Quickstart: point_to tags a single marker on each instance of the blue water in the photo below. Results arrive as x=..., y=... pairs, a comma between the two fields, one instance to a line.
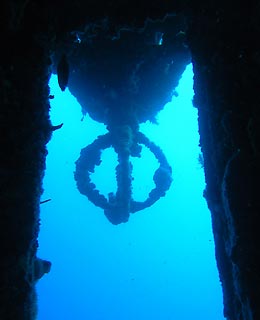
x=160, y=265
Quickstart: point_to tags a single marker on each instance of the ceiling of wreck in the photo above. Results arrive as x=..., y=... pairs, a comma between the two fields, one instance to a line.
x=119, y=51
x=130, y=70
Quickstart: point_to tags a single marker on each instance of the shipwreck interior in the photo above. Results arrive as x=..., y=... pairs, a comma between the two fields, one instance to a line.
x=121, y=59
x=170, y=243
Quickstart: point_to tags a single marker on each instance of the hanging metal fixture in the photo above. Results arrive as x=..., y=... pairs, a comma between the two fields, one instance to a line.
x=126, y=142
x=123, y=81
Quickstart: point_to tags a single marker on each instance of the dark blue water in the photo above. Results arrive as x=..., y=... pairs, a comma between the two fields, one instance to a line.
x=158, y=266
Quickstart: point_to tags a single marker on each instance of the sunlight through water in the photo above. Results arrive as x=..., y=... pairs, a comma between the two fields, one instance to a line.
x=160, y=265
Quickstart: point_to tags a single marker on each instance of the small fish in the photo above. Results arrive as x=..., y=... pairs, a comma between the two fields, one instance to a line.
x=63, y=72
x=51, y=96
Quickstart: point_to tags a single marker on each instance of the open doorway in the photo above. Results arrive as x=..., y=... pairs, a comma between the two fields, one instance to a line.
x=161, y=263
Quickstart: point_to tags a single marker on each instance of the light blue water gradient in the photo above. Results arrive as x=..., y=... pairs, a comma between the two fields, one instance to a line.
x=158, y=266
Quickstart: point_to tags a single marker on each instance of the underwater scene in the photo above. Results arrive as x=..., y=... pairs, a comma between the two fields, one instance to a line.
x=160, y=264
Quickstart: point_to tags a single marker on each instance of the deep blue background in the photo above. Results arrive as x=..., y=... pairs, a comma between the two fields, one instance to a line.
x=158, y=266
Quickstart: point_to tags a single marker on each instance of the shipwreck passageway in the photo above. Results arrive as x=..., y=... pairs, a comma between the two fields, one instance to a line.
x=144, y=250
x=158, y=265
